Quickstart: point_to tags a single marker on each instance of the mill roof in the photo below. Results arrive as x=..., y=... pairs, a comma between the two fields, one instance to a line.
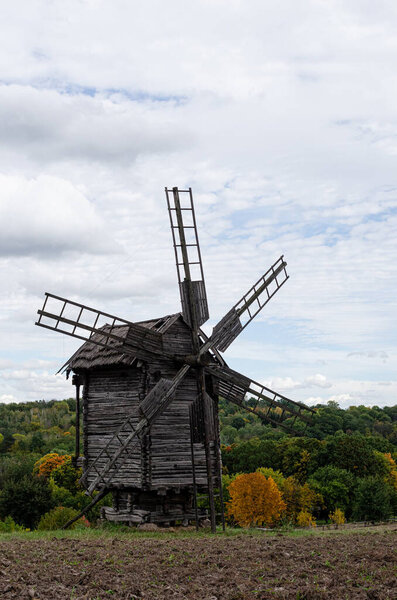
x=91, y=355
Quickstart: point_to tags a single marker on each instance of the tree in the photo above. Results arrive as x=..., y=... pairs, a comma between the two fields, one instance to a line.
x=66, y=475
x=337, y=517
x=229, y=434
x=353, y=453
x=238, y=422
x=299, y=498
x=21, y=443
x=25, y=500
x=37, y=442
x=299, y=456
x=373, y=500
x=335, y=485
x=48, y=463
x=305, y=519
x=277, y=476
x=254, y=500
x=327, y=421
x=248, y=456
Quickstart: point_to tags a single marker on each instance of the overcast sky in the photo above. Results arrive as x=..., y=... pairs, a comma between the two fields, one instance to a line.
x=280, y=114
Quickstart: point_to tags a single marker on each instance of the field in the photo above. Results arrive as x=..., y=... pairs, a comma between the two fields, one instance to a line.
x=231, y=566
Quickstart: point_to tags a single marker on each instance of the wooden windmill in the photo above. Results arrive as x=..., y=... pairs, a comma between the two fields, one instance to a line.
x=151, y=389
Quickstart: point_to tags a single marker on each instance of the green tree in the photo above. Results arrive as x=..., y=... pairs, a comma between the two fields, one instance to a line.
x=373, y=500
x=229, y=435
x=336, y=486
x=353, y=453
x=248, y=456
x=25, y=500
x=299, y=456
x=37, y=442
x=67, y=476
x=238, y=422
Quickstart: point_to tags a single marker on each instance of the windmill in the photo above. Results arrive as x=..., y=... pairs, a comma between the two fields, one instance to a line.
x=151, y=389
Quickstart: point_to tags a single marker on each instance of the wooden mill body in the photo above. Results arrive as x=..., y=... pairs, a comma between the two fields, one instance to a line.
x=156, y=482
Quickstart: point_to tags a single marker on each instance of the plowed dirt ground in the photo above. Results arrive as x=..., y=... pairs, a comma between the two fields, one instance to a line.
x=338, y=566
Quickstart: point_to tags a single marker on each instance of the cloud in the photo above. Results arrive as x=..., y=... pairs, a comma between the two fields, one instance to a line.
x=7, y=398
x=283, y=384
x=48, y=125
x=24, y=385
x=370, y=354
x=48, y=216
x=343, y=399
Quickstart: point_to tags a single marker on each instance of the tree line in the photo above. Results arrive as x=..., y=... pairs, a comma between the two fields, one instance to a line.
x=345, y=461
x=343, y=465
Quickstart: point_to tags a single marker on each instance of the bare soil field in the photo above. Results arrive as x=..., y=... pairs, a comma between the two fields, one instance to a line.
x=220, y=567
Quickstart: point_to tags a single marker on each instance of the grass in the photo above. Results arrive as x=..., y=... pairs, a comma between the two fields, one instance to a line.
x=111, y=531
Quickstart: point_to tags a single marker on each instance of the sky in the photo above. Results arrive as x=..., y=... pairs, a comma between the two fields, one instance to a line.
x=281, y=116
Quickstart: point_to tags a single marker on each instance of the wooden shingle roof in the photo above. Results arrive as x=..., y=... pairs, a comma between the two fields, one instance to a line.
x=91, y=355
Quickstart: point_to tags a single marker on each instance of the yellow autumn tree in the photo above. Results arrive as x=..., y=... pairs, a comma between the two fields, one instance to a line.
x=299, y=498
x=305, y=519
x=337, y=517
x=254, y=500
x=392, y=467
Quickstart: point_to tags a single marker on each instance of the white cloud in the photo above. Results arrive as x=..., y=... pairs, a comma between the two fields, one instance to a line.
x=7, y=399
x=48, y=216
x=380, y=354
x=48, y=126
x=283, y=384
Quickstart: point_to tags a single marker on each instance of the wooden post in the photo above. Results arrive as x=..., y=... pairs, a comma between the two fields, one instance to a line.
x=193, y=467
x=219, y=465
x=207, y=431
x=76, y=381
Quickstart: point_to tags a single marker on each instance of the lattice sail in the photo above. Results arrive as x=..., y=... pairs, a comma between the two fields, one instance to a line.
x=242, y=313
x=269, y=406
x=103, y=329
x=187, y=256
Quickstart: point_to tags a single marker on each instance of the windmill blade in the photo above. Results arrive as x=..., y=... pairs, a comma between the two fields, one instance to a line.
x=103, y=329
x=112, y=457
x=242, y=313
x=187, y=256
x=234, y=387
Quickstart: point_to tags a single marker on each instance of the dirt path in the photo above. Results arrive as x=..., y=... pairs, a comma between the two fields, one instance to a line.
x=344, y=566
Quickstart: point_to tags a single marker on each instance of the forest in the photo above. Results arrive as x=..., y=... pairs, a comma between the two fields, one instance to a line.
x=341, y=468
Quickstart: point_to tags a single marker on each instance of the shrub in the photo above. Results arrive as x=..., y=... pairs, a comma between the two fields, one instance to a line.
x=58, y=517
x=62, y=497
x=25, y=500
x=254, y=500
x=9, y=526
x=337, y=517
x=305, y=519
